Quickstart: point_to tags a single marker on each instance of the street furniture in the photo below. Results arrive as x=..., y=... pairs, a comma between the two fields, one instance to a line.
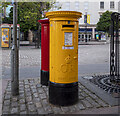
x=44, y=51
x=63, y=84
x=5, y=40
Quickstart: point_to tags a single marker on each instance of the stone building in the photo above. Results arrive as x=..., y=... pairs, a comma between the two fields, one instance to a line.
x=93, y=9
x=119, y=6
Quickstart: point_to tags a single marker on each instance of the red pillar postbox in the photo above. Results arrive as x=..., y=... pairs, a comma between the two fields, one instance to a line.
x=44, y=51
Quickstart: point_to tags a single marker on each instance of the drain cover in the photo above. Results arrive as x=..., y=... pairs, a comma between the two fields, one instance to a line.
x=103, y=81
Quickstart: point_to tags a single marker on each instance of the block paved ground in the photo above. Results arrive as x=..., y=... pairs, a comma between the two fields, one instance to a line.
x=33, y=99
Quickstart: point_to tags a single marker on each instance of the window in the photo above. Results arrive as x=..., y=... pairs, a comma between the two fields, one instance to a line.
x=101, y=5
x=90, y=36
x=100, y=16
x=112, y=4
x=82, y=36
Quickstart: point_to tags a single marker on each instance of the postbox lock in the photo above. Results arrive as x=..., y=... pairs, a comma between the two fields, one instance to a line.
x=75, y=57
x=68, y=22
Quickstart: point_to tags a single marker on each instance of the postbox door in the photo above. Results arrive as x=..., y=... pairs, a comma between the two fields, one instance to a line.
x=64, y=65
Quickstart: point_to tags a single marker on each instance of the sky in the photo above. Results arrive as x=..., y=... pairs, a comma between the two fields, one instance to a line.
x=8, y=10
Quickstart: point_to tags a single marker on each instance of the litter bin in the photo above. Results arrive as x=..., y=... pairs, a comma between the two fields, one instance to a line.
x=44, y=51
x=63, y=84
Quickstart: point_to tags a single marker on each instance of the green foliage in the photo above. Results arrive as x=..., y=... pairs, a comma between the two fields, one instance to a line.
x=6, y=20
x=104, y=22
x=5, y=4
x=0, y=7
x=28, y=14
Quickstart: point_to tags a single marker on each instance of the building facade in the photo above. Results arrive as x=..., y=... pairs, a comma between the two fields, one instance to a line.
x=119, y=6
x=93, y=9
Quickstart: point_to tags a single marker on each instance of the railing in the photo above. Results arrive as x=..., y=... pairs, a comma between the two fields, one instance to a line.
x=115, y=48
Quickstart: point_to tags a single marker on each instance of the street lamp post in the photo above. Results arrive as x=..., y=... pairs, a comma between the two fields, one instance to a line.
x=86, y=27
x=14, y=56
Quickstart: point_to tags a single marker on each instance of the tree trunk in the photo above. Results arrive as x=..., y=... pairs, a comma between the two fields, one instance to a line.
x=38, y=34
x=30, y=36
x=4, y=12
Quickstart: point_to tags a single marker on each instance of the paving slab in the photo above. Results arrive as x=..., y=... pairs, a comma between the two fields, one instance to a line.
x=109, y=111
x=96, y=91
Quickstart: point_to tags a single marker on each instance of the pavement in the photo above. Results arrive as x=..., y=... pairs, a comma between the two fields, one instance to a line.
x=100, y=42
x=93, y=59
x=33, y=99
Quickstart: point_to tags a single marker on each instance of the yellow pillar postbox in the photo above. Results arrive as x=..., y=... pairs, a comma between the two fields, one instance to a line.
x=5, y=40
x=63, y=83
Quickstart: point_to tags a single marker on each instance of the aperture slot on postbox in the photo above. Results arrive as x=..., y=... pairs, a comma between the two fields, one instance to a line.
x=68, y=33
x=67, y=26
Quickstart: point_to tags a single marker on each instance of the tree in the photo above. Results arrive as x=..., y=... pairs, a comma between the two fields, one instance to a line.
x=28, y=15
x=104, y=22
x=4, y=5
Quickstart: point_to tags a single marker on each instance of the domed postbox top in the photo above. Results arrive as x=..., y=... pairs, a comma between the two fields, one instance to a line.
x=45, y=20
x=64, y=15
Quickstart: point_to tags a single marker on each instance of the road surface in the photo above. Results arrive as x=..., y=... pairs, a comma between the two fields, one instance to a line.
x=92, y=59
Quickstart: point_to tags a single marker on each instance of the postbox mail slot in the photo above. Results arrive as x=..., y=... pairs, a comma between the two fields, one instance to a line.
x=67, y=26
